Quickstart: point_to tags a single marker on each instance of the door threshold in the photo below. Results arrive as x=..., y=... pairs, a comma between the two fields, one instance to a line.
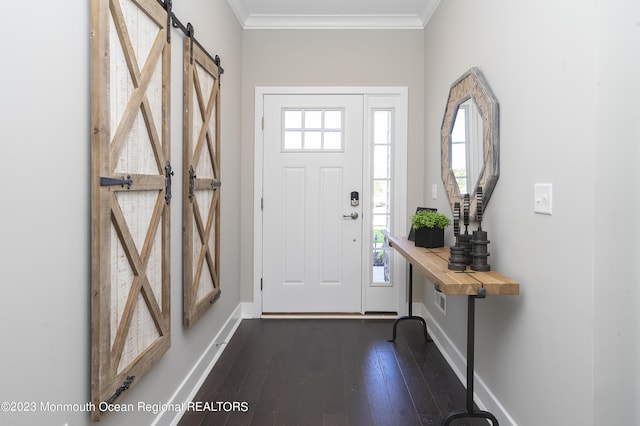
x=329, y=315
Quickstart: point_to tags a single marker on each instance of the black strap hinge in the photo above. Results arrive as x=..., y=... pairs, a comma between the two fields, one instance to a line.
x=109, y=181
x=192, y=183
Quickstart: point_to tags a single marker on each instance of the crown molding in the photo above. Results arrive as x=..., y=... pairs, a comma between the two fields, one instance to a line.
x=255, y=21
x=317, y=22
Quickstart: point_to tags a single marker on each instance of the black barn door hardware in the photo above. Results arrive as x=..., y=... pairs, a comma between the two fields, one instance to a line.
x=192, y=183
x=215, y=297
x=168, y=172
x=109, y=181
x=118, y=392
x=168, y=6
x=188, y=30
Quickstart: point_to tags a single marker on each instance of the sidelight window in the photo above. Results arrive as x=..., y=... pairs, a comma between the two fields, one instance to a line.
x=381, y=185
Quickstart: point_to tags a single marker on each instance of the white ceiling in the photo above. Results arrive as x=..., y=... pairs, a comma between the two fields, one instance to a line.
x=333, y=14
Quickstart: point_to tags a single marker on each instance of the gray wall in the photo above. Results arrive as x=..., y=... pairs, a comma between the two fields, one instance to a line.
x=45, y=216
x=329, y=58
x=616, y=295
x=564, y=351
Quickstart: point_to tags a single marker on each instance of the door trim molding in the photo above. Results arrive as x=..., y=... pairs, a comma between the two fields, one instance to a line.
x=400, y=178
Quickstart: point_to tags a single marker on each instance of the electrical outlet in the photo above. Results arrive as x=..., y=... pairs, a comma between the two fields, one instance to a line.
x=542, y=198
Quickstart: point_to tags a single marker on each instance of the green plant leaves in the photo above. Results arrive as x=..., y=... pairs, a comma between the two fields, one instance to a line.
x=429, y=219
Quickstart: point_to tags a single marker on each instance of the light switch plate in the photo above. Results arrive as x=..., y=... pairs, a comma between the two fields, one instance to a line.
x=434, y=191
x=542, y=198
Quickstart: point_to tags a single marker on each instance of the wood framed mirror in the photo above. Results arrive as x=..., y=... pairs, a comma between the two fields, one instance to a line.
x=470, y=150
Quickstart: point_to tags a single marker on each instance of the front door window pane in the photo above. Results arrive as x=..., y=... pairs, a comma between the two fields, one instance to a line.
x=333, y=120
x=293, y=119
x=312, y=140
x=292, y=140
x=332, y=140
x=313, y=119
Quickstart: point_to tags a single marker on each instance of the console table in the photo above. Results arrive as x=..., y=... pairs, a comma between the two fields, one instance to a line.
x=433, y=264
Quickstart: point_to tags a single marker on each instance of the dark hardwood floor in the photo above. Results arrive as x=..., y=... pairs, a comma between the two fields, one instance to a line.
x=328, y=372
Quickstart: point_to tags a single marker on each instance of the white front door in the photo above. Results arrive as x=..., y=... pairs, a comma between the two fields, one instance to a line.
x=312, y=230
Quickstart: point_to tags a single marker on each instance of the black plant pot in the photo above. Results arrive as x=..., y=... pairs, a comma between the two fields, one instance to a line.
x=429, y=237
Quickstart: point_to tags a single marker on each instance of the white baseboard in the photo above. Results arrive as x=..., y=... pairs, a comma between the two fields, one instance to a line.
x=332, y=316
x=201, y=369
x=483, y=397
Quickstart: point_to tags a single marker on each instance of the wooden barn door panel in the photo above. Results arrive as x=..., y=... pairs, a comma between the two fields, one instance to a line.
x=130, y=214
x=201, y=205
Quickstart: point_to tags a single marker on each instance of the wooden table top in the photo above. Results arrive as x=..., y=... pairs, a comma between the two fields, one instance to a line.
x=433, y=264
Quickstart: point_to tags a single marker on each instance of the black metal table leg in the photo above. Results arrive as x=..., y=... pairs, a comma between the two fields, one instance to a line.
x=470, y=412
x=410, y=316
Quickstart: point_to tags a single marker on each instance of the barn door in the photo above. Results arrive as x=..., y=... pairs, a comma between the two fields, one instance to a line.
x=201, y=201
x=131, y=177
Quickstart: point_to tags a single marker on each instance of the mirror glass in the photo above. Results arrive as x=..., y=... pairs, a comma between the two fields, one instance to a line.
x=469, y=140
x=466, y=146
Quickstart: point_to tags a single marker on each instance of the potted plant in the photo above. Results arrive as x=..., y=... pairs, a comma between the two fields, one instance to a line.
x=429, y=228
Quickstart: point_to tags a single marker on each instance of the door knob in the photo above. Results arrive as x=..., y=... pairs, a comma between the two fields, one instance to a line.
x=353, y=215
